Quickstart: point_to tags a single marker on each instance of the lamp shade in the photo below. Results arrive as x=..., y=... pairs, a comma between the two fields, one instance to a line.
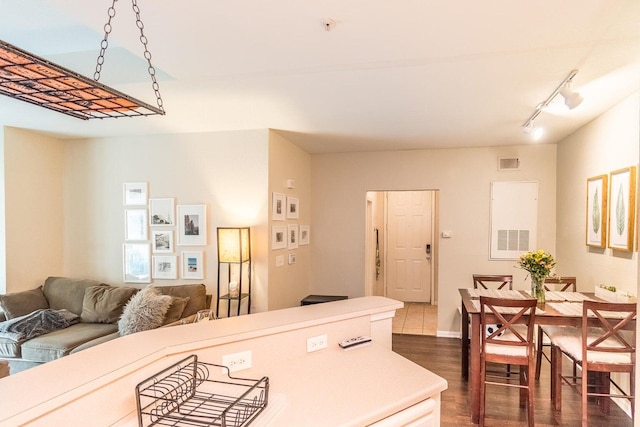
x=234, y=244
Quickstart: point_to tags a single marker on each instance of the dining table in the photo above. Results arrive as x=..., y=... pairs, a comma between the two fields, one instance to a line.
x=560, y=308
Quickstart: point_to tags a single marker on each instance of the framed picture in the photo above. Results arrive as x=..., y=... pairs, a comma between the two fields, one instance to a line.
x=597, y=188
x=161, y=212
x=278, y=207
x=165, y=267
x=292, y=207
x=278, y=237
x=135, y=224
x=192, y=225
x=136, y=262
x=292, y=236
x=192, y=265
x=135, y=193
x=162, y=241
x=304, y=235
x=622, y=202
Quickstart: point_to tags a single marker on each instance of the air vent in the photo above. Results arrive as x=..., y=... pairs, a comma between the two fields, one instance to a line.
x=508, y=163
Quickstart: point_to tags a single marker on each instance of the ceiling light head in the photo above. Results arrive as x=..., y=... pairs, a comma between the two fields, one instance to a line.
x=537, y=133
x=527, y=127
x=571, y=99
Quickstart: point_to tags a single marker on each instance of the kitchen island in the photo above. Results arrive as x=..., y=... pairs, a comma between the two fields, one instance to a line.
x=363, y=385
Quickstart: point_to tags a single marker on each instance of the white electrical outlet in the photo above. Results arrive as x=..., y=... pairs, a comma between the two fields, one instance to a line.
x=237, y=361
x=316, y=343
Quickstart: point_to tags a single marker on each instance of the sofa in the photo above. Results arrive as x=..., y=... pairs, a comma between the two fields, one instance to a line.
x=91, y=313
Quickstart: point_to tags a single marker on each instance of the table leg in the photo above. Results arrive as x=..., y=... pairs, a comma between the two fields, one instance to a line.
x=464, y=326
x=474, y=356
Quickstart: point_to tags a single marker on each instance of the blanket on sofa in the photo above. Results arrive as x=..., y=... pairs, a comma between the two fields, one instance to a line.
x=37, y=323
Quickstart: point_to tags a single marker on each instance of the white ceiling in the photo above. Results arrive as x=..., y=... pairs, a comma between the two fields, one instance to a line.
x=402, y=74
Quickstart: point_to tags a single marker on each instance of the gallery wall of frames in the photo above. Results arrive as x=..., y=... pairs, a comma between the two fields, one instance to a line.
x=288, y=234
x=161, y=238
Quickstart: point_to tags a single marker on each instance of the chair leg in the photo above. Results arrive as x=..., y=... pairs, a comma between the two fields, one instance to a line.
x=539, y=353
x=530, y=398
x=556, y=380
x=523, y=379
x=483, y=390
x=585, y=385
x=604, y=381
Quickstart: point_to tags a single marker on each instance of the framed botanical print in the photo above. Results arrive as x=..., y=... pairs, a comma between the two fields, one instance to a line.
x=597, y=191
x=192, y=225
x=622, y=203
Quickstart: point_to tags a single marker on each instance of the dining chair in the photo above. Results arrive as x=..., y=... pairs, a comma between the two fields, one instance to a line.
x=512, y=344
x=564, y=284
x=607, y=347
x=492, y=281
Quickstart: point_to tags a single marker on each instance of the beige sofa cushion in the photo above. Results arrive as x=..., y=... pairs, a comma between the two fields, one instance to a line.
x=20, y=303
x=104, y=304
x=63, y=292
x=55, y=345
x=197, y=296
x=10, y=348
x=176, y=309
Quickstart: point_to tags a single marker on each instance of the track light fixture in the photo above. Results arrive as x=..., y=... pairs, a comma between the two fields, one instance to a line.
x=571, y=99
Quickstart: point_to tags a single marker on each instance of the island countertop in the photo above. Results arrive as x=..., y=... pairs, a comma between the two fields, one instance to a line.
x=332, y=386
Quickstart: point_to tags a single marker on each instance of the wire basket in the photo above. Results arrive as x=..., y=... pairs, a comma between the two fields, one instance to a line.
x=192, y=393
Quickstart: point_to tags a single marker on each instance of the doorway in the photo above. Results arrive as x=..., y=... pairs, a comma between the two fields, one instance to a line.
x=401, y=252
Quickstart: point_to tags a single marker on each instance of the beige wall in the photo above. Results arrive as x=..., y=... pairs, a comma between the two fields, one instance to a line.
x=226, y=171
x=608, y=143
x=288, y=284
x=33, y=176
x=463, y=176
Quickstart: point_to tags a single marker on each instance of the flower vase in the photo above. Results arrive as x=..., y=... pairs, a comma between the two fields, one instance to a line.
x=537, y=289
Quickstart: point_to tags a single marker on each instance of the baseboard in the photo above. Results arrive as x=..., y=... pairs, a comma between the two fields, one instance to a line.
x=448, y=334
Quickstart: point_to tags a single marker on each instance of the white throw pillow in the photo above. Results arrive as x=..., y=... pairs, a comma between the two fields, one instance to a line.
x=144, y=311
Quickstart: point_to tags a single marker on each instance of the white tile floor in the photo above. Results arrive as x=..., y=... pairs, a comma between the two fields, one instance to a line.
x=416, y=319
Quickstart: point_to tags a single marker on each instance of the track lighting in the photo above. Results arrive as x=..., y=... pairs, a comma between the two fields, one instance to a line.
x=571, y=99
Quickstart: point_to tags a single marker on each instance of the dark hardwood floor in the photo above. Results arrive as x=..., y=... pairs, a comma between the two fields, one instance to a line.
x=442, y=356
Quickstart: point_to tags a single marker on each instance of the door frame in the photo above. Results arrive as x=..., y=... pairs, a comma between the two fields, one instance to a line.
x=369, y=285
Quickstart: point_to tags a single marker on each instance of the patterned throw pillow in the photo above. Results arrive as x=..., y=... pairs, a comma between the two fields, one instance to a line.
x=145, y=310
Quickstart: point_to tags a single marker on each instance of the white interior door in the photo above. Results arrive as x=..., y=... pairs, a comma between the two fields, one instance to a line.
x=409, y=232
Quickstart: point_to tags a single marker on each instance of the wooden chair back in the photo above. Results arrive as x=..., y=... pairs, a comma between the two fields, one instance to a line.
x=567, y=284
x=509, y=314
x=609, y=329
x=481, y=281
